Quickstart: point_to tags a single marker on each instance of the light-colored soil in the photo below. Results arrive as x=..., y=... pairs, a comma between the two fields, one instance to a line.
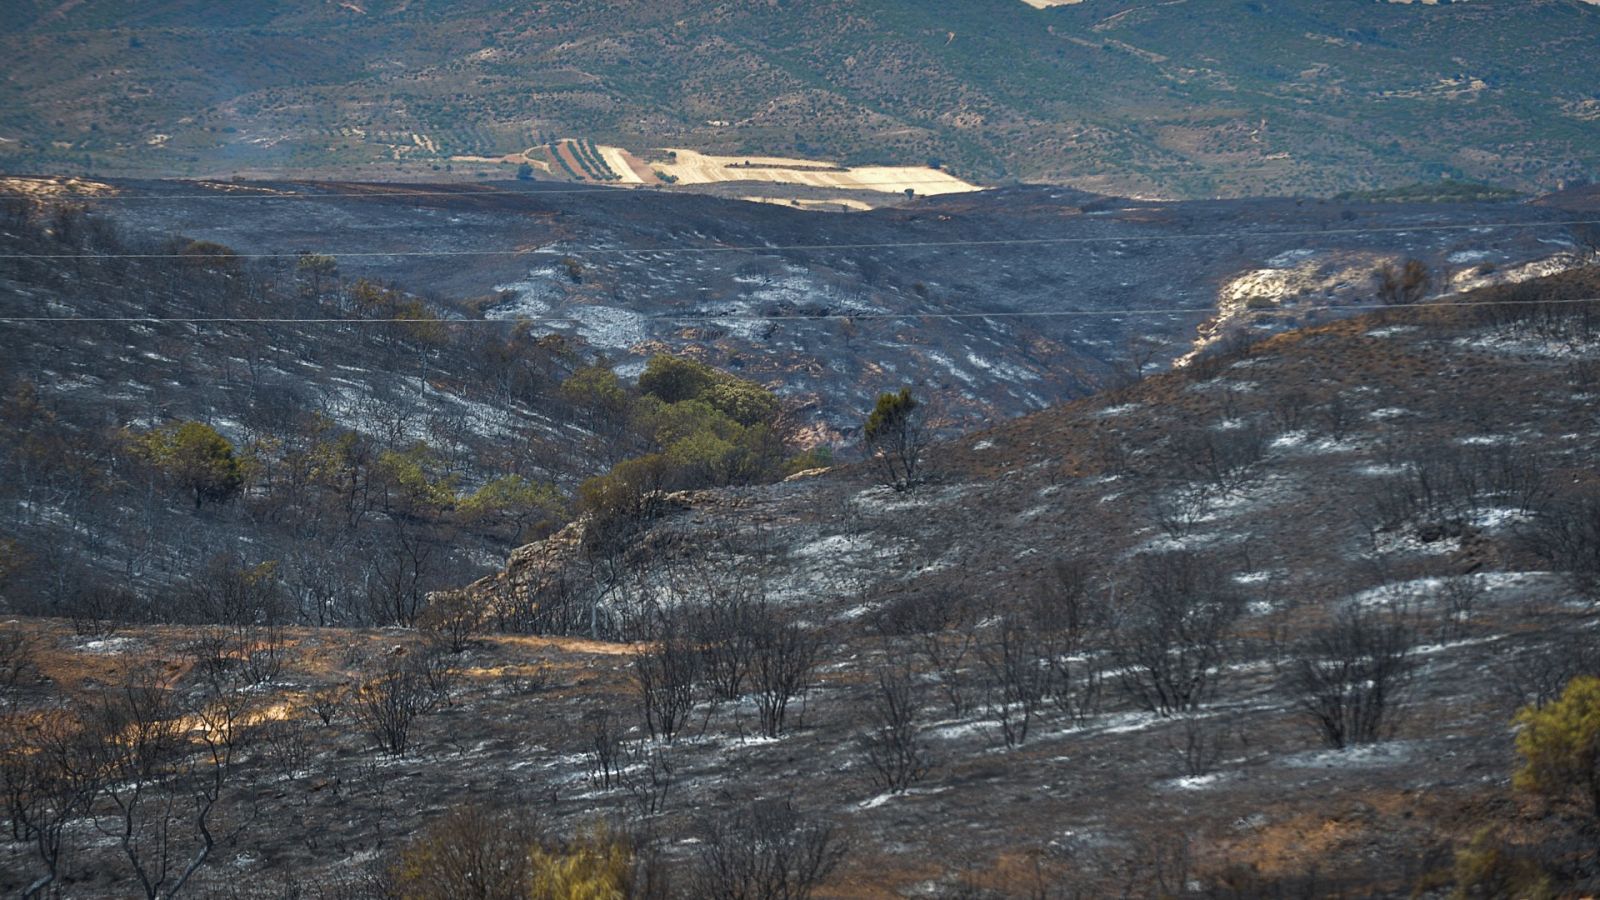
x=617, y=159
x=501, y=160
x=691, y=167
x=55, y=187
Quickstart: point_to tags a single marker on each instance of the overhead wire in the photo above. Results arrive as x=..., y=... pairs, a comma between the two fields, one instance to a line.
x=469, y=190
x=786, y=248
x=796, y=318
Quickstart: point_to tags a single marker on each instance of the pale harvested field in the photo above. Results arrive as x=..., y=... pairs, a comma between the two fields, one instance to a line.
x=698, y=168
x=617, y=159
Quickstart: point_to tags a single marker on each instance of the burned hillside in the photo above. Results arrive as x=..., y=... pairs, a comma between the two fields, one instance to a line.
x=1254, y=627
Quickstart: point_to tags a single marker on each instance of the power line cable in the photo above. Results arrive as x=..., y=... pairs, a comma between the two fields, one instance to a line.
x=785, y=248
x=702, y=317
x=467, y=191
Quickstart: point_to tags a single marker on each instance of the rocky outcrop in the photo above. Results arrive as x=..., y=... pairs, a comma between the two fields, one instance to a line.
x=553, y=567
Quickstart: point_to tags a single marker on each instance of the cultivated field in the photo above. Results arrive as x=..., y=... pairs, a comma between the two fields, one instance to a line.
x=691, y=167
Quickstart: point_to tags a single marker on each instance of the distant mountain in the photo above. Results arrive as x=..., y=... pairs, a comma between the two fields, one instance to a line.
x=1222, y=98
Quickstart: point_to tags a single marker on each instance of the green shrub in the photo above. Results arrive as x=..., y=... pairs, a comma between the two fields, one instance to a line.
x=413, y=480
x=514, y=501
x=469, y=853
x=625, y=498
x=1488, y=867
x=596, y=866
x=1559, y=745
x=674, y=378
x=195, y=457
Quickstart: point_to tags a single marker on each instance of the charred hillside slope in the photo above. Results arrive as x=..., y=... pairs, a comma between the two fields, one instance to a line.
x=999, y=303
x=1252, y=628
x=1424, y=470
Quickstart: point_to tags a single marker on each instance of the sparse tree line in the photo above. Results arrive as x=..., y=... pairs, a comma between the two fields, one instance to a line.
x=148, y=765
x=146, y=781
x=761, y=850
x=1159, y=637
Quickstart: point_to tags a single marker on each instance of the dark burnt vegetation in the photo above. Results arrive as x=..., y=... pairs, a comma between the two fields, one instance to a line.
x=1024, y=675
x=379, y=447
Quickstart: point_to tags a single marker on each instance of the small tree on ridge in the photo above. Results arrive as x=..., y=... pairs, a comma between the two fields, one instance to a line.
x=895, y=437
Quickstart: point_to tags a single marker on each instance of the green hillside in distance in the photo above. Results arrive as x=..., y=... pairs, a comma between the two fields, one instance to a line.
x=1187, y=99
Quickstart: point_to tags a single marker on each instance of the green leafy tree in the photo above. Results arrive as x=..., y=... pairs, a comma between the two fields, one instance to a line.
x=1559, y=745
x=743, y=401
x=674, y=378
x=414, y=481
x=601, y=405
x=514, y=501
x=621, y=500
x=895, y=437
x=195, y=457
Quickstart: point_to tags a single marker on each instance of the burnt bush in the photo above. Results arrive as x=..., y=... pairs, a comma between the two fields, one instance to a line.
x=1566, y=533
x=893, y=740
x=1349, y=678
x=1171, y=636
x=1440, y=488
x=766, y=851
x=666, y=674
x=782, y=670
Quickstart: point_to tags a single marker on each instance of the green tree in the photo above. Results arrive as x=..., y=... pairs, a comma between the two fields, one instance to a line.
x=895, y=438
x=525, y=172
x=621, y=500
x=600, y=403
x=1559, y=745
x=743, y=401
x=195, y=457
x=515, y=501
x=674, y=378
x=414, y=481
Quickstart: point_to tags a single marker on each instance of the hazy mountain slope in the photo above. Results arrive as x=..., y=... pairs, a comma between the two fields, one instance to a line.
x=1175, y=99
